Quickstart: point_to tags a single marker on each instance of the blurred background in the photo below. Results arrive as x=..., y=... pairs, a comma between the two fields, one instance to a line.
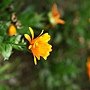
x=65, y=68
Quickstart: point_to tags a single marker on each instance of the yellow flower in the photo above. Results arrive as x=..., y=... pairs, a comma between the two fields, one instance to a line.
x=12, y=30
x=39, y=46
x=88, y=67
x=54, y=16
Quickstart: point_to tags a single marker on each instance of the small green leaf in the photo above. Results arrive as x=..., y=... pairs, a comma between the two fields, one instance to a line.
x=6, y=50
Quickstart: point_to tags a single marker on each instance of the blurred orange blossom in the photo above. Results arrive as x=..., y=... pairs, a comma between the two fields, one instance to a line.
x=54, y=16
x=88, y=67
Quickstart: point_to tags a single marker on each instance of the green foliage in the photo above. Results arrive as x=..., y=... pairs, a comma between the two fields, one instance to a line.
x=32, y=18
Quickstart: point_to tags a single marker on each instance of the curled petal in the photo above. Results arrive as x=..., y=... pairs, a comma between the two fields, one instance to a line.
x=59, y=21
x=35, y=61
x=41, y=33
x=32, y=32
x=27, y=37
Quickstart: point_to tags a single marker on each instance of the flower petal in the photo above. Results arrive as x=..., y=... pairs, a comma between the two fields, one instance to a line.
x=41, y=33
x=45, y=37
x=32, y=32
x=60, y=21
x=30, y=46
x=27, y=37
x=55, y=11
x=42, y=50
x=35, y=61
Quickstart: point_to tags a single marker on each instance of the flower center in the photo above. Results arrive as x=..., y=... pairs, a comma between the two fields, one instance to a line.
x=34, y=44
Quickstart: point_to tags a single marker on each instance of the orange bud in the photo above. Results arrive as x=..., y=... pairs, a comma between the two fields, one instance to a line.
x=12, y=30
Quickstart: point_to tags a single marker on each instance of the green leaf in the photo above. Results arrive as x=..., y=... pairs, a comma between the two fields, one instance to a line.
x=6, y=50
x=15, y=39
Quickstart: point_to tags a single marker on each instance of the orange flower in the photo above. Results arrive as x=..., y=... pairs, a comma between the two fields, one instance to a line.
x=39, y=46
x=12, y=30
x=88, y=67
x=54, y=16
